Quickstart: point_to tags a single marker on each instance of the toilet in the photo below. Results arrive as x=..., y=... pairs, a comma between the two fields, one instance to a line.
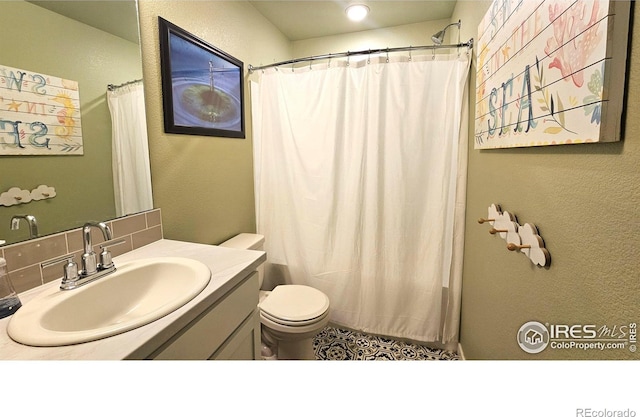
x=291, y=315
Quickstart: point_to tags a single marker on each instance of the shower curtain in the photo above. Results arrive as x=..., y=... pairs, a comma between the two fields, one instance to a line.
x=359, y=178
x=130, y=149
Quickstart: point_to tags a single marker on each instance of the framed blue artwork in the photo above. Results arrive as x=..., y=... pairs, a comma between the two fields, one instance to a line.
x=202, y=86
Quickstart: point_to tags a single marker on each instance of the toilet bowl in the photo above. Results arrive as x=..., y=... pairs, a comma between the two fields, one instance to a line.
x=290, y=315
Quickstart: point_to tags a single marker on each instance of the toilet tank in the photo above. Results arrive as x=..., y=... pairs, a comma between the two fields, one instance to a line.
x=250, y=241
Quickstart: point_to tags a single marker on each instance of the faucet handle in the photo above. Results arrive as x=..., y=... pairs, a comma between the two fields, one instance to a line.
x=70, y=269
x=105, y=255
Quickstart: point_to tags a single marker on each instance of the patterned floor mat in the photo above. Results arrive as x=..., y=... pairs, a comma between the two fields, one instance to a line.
x=336, y=344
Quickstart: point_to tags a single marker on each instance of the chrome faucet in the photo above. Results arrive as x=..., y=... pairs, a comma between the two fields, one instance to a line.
x=89, y=257
x=31, y=221
x=91, y=268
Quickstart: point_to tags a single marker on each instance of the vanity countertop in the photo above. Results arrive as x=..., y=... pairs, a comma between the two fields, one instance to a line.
x=228, y=267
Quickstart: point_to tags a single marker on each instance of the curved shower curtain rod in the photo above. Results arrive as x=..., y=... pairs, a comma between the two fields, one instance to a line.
x=112, y=87
x=468, y=44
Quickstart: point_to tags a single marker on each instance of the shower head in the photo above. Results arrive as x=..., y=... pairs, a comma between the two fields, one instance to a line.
x=439, y=37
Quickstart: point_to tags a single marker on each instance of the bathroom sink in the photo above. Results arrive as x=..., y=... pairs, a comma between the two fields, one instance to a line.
x=138, y=293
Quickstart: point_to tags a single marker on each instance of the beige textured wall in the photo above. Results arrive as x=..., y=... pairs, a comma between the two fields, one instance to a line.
x=393, y=37
x=584, y=199
x=204, y=185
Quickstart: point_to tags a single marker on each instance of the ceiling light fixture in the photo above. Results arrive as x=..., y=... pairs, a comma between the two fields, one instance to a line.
x=357, y=12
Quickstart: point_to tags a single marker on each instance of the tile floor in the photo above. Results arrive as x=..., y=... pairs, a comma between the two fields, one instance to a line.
x=334, y=343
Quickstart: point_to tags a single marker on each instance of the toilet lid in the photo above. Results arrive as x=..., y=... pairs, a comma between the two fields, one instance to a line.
x=295, y=303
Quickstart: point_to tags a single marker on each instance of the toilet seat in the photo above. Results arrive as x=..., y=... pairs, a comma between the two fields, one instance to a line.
x=295, y=305
x=271, y=320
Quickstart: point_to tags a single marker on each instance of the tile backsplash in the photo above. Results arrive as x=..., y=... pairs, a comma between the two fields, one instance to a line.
x=24, y=259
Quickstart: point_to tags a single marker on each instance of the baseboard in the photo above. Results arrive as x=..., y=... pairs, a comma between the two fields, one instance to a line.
x=460, y=352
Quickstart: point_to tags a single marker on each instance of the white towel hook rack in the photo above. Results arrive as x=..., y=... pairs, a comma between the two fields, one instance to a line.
x=520, y=238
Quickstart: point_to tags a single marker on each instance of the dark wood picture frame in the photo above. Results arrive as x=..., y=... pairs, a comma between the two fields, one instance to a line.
x=202, y=86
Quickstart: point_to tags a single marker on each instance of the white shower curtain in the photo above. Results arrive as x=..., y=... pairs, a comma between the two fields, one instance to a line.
x=357, y=183
x=130, y=149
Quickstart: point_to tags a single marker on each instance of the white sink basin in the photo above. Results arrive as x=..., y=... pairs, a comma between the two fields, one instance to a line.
x=136, y=294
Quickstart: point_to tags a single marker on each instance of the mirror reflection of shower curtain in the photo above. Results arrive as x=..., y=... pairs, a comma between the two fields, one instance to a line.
x=360, y=176
x=130, y=149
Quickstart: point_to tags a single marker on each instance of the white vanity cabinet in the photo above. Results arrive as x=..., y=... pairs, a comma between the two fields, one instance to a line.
x=229, y=329
x=221, y=322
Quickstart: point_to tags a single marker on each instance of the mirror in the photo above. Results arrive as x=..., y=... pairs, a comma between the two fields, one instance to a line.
x=72, y=40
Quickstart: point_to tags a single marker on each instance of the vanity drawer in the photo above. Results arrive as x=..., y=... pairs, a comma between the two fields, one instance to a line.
x=201, y=338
